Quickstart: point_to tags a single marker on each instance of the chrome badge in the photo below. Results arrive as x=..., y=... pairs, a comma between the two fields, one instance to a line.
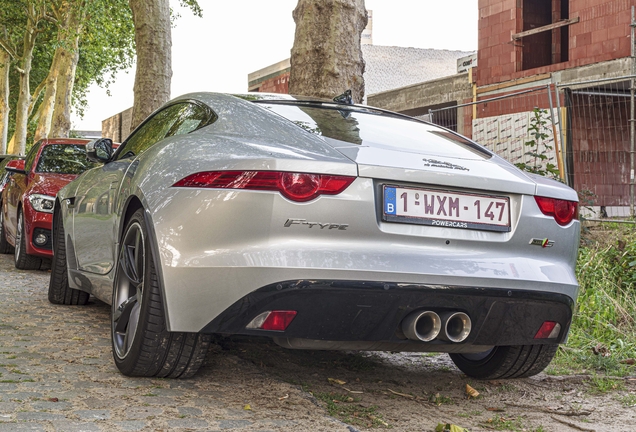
x=544, y=243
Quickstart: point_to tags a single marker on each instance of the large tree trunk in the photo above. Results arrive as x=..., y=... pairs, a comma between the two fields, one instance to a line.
x=5, y=64
x=326, y=58
x=45, y=110
x=153, y=42
x=61, y=120
x=18, y=146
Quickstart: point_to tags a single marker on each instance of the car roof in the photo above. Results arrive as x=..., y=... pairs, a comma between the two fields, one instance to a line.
x=65, y=141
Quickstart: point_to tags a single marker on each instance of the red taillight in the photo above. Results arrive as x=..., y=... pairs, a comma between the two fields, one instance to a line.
x=548, y=330
x=278, y=320
x=294, y=186
x=563, y=211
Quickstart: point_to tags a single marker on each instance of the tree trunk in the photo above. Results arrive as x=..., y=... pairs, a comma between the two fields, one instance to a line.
x=153, y=42
x=5, y=64
x=61, y=120
x=18, y=146
x=45, y=111
x=67, y=57
x=326, y=58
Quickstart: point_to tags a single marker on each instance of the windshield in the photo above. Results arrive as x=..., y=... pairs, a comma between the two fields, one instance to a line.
x=64, y=159
x=379, y=130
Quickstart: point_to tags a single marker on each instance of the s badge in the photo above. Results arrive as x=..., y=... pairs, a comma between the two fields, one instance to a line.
x=544, y=243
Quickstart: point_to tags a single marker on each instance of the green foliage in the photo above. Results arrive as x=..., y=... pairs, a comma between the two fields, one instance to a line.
x=537, y=148
x=603, y=332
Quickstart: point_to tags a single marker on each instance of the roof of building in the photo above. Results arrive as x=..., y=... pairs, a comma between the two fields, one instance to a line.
x=391, y=67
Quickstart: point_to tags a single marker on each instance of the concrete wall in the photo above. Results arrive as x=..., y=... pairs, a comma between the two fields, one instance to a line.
x=440, y=92
x=601, y=34
x=117, y=127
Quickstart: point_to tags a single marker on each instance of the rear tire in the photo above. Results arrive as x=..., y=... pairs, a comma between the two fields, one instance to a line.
x=142, y=346
x=59, y=291
x=5, y=247
x=520, y=361
x=22, y=260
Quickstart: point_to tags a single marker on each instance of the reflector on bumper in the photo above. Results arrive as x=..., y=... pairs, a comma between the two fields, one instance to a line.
x=272, y=320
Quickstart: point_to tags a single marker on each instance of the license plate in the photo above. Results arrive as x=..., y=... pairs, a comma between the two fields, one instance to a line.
x=446, y=209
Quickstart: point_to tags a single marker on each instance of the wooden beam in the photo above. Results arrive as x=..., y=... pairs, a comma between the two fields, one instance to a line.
x=548, y=27
x=513, y=83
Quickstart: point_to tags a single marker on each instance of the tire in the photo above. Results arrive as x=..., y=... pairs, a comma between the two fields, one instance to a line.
x=59, y=291
x=142, y=346
x=22, y=260
x=519, y=361
x=5, y=247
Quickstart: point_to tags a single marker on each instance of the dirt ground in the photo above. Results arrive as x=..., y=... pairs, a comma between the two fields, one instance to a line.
x=415, y=392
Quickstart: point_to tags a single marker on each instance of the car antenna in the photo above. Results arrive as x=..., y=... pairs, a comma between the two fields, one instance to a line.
x=344, y=98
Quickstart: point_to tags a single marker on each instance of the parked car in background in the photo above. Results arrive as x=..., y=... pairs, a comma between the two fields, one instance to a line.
x=321, y=225
x=27, y=200
x=4, y=180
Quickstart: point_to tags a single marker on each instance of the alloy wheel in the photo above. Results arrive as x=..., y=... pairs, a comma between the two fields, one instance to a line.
x=18, y=236
x=129, y=286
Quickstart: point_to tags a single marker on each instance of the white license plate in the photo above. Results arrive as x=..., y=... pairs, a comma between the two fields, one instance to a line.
x=446, y=209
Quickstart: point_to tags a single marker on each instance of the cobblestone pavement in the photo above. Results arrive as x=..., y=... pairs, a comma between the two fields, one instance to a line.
x=57, y=374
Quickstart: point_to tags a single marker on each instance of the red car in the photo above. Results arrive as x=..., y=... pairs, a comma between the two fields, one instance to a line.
x=27, y=200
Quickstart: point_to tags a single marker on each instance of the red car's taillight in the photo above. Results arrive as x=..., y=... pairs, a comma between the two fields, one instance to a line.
x=563, y=211
x=294, y=186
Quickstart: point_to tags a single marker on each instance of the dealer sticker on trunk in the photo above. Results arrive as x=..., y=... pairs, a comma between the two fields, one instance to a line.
x=446, y=209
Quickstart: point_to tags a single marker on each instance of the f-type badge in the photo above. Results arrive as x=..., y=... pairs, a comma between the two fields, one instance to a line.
x=544, y=243
x=303, y=222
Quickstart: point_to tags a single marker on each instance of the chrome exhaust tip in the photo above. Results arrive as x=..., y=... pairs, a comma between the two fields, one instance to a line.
x=456, y=327
x=422, y=326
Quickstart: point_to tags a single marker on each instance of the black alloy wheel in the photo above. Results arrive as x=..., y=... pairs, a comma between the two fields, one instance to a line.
x=142, y=345
x=59, y=290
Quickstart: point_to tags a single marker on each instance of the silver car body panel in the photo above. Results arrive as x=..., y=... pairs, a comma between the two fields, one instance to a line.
x=214, y=246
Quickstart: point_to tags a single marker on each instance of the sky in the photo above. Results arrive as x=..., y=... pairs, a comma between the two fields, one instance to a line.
x=237, y=37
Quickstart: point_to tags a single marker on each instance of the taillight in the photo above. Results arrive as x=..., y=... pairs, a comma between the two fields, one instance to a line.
x=294, y=186
x=563, y=211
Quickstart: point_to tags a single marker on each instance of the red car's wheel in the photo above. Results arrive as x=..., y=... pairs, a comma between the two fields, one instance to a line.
x=23, y=261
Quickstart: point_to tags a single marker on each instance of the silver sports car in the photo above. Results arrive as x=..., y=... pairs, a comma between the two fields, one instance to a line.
x=321, y=225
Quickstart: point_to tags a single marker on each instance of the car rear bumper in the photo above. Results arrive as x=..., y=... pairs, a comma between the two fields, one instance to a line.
x=368, y=315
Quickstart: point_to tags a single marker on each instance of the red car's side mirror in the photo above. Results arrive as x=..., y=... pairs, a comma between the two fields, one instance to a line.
x=16, y=166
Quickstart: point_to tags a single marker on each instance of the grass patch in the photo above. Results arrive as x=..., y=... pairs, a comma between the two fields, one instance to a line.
x=628, y=400
x=346, y=408
x=603, y=332
x=600, y=384
x=505, y=424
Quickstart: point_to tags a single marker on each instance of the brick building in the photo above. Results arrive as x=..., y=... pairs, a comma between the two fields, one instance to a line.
x=569, y=58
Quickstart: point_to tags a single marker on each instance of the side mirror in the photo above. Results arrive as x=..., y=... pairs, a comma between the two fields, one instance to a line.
x=99, y=150
x=16, y=166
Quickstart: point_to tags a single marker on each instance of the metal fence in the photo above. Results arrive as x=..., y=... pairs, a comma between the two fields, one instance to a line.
x=585, y=132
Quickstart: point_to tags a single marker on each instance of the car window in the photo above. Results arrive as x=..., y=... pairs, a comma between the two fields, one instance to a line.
x=30, y=157
x=191, y=118
x=177, y=119
x=64, y=159
x=379, y=130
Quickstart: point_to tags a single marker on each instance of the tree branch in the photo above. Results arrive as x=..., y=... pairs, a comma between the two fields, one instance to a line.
x=5, y=44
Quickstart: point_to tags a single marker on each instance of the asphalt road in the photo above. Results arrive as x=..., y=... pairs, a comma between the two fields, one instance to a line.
x=57, y=374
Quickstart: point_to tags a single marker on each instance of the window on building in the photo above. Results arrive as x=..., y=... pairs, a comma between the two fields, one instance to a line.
x=546, y=21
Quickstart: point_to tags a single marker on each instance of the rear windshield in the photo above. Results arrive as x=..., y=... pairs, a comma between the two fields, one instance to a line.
x=64, y=159
x=379, y=130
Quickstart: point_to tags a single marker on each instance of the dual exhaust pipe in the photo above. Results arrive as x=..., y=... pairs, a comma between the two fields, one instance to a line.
x=426, y=326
